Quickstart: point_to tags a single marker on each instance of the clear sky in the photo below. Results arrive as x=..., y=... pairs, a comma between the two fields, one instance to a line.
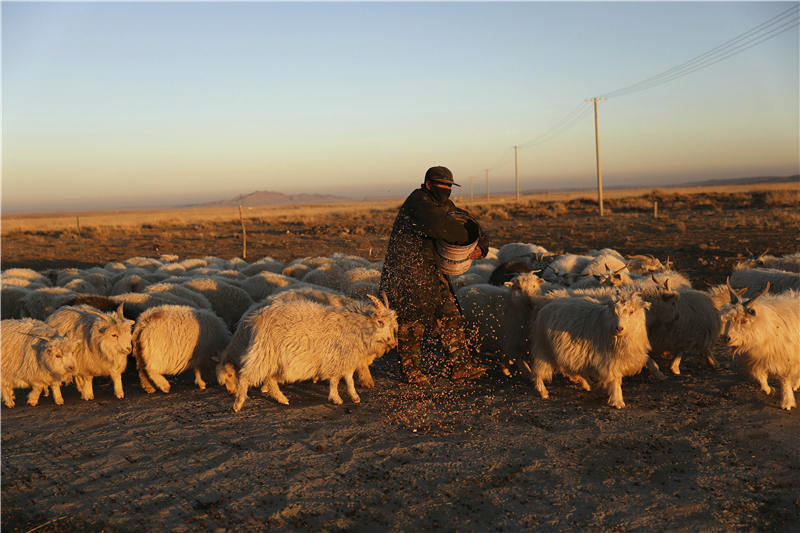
x=124, y=104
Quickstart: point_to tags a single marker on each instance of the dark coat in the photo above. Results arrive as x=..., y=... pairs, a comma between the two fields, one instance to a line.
x=410, y=276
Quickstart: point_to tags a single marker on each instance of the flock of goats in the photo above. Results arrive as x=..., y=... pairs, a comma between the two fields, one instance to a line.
x=595, y=318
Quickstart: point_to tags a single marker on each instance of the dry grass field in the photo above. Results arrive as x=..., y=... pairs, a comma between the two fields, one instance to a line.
x=702, y=451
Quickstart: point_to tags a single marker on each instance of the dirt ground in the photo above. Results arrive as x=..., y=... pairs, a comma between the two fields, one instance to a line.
x=703, y=451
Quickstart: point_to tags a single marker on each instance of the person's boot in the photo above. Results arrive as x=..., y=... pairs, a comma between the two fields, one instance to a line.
x=464, y=367
x=409, y=367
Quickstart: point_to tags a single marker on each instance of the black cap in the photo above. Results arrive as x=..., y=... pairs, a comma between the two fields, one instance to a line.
x=440, y=175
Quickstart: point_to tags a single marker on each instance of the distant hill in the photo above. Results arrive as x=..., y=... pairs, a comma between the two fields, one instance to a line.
x=744, y=181
x=273, y=198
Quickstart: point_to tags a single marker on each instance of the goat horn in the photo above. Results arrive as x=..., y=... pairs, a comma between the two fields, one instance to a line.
x=621, y=269
x=751, y=300
x=653, y=277
x=735, y=297
x=666, y=283
x=385, y=299
x=88, y=309
x=763, y=254
x=377, y=302
x=38, y=336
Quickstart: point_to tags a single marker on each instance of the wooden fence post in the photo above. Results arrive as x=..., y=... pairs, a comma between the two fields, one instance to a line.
x=244, y=234
x=80, y=242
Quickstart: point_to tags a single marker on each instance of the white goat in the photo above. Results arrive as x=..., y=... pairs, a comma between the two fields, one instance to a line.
x=330, y=275
x=755, y=278
x=694, y=330
x=26, y=273
x=788, y=263
x=129, y=282
x=565, y=269
x=34, y=355
x=183, y=293
x=40, y=303
x=361, y=289
x=604, y=263
x=171, y=339
x=303, y=291
x=520, y=251
x=526, y=296
x=230, y=361
x=105, y=342
x=586, y=339
x=484, y=306
x=296, y=270
x=12, y=300
x=265, y=264
x=304, y=340
x=764, y=333
x=227, y=301
x=264, y=283
x=465, y=280
x=659, y=315
x=643, y=264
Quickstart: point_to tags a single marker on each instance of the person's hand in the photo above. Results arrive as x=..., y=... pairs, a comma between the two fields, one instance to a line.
x=477, y=253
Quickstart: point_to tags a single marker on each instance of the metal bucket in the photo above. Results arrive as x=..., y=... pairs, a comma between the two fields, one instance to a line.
x=453, y=259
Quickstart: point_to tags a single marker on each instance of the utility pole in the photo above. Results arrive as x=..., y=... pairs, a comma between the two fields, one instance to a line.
x=470, y=189
x=597, y=152
x=516, y=171
x=487, y=184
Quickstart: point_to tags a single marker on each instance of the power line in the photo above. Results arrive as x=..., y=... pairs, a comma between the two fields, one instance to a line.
x=707, y=63
x=773, y=27
x=768, y=29
x=569, y=117
x=501, y=162
x=561, y=128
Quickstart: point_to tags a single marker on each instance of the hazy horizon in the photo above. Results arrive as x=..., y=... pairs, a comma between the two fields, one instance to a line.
x=459, y=195
x=118, y=105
